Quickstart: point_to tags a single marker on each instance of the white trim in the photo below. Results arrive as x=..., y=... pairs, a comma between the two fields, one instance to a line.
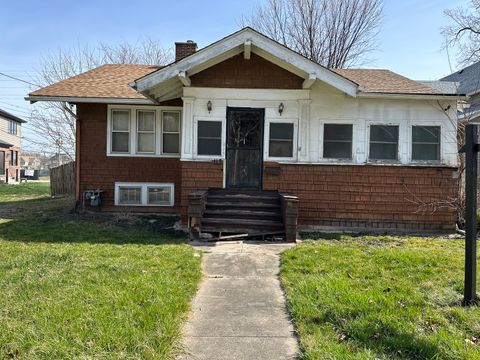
x=409, y=96
x=276, y=95
x=144, y=193
x=95, y=100
x=133, y=130
x=183, y=77
x=247, y=49
x=235, y=43
x=308, y=82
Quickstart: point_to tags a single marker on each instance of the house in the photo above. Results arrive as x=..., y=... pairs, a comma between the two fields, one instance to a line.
x=10, y=146
x=57, y=160
x=222, y=132
x=467, y=81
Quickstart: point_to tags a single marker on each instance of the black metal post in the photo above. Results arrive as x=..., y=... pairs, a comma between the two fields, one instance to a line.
x=471, y=155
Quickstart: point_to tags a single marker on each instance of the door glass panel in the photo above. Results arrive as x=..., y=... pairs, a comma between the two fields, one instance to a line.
x=244, y=148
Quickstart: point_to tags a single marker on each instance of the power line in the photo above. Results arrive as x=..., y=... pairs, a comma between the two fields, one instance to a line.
x=18, y=79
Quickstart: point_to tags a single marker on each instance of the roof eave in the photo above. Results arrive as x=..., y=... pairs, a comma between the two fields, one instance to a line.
x=235, y=40
x=413, y=96
x=94, y=100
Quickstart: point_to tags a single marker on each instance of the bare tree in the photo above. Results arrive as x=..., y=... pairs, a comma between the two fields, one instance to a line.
x=54, y=123
x=464, y=32
x=334, y=33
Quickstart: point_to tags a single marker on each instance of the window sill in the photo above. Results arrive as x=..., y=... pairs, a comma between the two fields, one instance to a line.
x=174, y=156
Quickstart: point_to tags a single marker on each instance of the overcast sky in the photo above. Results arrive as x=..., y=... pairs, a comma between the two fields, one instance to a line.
x=410, y=42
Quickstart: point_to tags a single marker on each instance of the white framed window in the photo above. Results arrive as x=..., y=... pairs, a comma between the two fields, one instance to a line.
x=281, y=140
x=383, y=142
x=12, y=127
x=209, y=138
x=146, y=131
x=120, y=129
x=171, y=132
x=426, y=143
x=144, y=194
x=337, y=141
x=143, y=131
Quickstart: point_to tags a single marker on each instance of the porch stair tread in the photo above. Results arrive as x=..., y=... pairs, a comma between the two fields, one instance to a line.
x=229, y=204
x=242, y=221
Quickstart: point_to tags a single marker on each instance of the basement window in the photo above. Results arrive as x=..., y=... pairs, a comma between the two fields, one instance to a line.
x=337, y=141
x=281, y=140
x=144, y=194
x=120, y=131
x=426, y=143
x=383, y=142
x=209, y=138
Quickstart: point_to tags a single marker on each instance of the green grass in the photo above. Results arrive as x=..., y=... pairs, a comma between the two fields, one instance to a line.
x=91, y=287
x=380, y=298
x=24, y=191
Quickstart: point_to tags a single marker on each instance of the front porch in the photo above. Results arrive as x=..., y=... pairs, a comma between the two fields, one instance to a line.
x=233, y=214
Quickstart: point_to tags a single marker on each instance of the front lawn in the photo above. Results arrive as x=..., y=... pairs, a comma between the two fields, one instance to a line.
x=91, y=287
x=380, y=298
x=24, y=191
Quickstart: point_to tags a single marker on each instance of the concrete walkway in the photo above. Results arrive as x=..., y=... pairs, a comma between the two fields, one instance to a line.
x=239, y=311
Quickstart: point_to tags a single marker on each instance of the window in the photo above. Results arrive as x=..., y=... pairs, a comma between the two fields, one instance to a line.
x=426, y=143
x=144, y=194
x=383, y=142
x=145, y=131
x=12, y=127
x=171, y=132
x=12, y=159
x=15, y=158
x=2, y=162
x=159, y=195
x=129, y=195
x=120, y=131
x=209, y=135
x=337, y=141
x=281, y=140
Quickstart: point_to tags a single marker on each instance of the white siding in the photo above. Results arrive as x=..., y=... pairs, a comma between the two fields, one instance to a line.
x=9, y=138
x=311, y=109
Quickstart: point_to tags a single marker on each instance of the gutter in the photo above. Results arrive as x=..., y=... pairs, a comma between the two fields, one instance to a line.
x=96, y=100
x=412, y=96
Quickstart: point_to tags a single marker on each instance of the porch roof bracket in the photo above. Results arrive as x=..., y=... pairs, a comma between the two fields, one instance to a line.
x=308, y=82
x=183, y=77
x=247, y=49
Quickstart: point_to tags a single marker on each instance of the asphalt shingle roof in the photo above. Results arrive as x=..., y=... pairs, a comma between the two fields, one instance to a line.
x=111, y=81
x=106, y=81
x=468, y=79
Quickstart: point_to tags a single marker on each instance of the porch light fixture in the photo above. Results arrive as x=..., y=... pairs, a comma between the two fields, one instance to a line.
x=280, y=108
x=209, y=106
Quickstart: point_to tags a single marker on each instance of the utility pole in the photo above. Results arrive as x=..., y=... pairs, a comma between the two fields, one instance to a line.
x=470, y=149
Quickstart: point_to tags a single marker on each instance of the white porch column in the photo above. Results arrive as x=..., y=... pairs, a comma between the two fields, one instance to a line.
x=303, y=129
x=187, y=128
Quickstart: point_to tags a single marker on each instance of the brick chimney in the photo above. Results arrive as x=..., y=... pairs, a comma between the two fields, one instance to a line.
x=183, y=49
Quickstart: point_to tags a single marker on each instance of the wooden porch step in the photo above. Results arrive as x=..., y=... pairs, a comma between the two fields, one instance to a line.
x=244, y=198
x=250, y=226
x=273, y=214
x=242, y=206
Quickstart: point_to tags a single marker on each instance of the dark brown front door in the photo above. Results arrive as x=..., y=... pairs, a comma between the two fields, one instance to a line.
x=244, y=147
